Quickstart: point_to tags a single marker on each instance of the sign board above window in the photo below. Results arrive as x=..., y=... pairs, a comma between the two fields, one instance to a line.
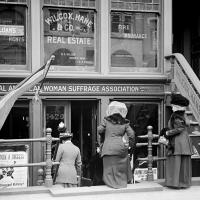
x=71, y=3
x=14, y=1
x=136, y=5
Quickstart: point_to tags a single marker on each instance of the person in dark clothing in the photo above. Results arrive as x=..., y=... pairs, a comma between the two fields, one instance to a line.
x=179, y=148
x=96, y=168
x=118, y=136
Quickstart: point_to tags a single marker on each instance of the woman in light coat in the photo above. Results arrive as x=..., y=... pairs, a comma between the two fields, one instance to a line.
x=69, y=156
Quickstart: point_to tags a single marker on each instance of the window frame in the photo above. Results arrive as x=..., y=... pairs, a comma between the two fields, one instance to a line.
x=137, y=69
x=20, y=67
x=84, y=68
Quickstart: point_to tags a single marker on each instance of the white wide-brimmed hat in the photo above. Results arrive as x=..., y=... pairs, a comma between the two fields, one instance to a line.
x=117, y=107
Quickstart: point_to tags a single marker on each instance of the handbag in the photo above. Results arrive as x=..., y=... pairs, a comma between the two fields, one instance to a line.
x=163, y=140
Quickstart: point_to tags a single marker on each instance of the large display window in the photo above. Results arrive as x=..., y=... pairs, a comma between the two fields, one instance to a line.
x=13, y=36
x=70, y=35
x=134, y=35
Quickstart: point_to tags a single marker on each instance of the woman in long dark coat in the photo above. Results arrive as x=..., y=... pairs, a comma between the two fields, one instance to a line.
x=178, y=162
x=116, y=163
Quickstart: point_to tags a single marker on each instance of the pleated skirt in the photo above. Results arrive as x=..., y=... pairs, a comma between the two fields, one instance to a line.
x=178, y=171
x=116, y=171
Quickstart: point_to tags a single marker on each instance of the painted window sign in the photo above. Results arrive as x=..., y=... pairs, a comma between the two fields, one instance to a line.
x=69, y=35
x=64, y=21
x=10, y=30
x=13, y=34
x=134, y=40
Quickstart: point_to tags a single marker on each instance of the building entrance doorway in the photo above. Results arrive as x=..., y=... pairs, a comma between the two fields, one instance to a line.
x=83, y=126
x=80, y=117
x=186, y=32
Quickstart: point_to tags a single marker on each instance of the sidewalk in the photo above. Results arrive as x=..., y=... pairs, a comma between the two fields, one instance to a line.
x=144, y=190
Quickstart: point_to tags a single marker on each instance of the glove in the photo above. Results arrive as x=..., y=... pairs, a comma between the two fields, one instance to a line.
x=163, y=131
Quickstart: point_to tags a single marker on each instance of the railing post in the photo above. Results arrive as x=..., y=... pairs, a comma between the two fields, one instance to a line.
x=150, y=156
x=40, y=180
x=48, y=177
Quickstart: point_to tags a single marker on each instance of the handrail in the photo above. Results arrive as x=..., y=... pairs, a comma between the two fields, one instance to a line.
x=42, y=139
x=48, y=164
x=186, y=81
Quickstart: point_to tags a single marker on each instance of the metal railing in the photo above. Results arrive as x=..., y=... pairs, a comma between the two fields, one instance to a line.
x=48, y=180
x=184, y=78
x=48, y=163
x=150, y=158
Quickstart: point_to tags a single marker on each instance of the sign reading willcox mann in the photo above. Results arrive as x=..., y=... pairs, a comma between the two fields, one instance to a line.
x=70, y=36
x=13, y=177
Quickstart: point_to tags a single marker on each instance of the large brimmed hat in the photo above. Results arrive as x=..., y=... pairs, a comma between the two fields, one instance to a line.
x=117, y=107
x=179, y=100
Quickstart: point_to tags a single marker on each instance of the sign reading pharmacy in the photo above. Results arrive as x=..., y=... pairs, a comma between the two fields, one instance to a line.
x=89, y=89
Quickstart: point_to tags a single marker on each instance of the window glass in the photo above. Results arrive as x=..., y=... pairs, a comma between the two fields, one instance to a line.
x=142, y=115
x=12, y=34
x=54, y=115
x=134, y=35
x=69, y=34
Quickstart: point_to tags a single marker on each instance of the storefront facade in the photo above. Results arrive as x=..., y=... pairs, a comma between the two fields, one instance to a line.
x=104, y=51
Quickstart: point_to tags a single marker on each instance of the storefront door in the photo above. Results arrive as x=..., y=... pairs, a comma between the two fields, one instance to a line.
x=83, y=126
x=79, y=117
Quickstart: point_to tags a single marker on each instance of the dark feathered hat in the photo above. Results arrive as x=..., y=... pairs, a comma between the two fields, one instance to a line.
x=66, y=135
x=178, y=99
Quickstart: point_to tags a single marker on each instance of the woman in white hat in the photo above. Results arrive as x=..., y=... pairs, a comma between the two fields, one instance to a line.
x=116, y=163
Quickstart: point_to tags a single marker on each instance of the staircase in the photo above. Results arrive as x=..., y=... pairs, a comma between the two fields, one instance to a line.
x=185, y=81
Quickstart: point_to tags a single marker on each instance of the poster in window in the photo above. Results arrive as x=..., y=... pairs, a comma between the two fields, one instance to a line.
x=13, y=177
x=140, y=174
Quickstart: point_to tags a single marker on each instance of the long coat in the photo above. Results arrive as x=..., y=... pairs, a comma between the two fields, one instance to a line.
x=70, y=163
x=113, y=133
x=116, y=163
x=178, y=162
x=178, y=135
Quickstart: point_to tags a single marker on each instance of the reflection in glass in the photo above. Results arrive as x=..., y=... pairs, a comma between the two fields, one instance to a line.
x=54, y=115
x=136, y=34
x=142, y=115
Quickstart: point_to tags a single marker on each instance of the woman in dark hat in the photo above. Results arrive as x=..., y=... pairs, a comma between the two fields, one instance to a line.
x=69, y=156
x=179, y=149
